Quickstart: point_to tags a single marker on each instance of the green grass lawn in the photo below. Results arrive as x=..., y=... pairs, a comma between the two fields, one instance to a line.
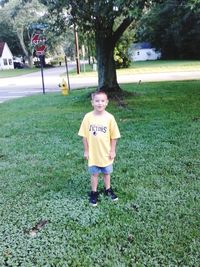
x=138, y=67
x=165, y=66
x=156, y=176
x=16, y=72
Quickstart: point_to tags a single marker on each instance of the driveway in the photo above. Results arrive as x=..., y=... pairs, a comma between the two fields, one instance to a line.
x=11, y=88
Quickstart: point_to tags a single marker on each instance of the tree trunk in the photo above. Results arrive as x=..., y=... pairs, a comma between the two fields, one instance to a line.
x=107, y=76
x=30, y=60
x=23, y=46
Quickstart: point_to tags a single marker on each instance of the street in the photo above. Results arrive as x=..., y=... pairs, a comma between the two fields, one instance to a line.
x=29, y=84
x=15, y=87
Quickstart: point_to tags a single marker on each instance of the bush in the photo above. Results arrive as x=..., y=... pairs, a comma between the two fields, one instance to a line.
x=121, y=59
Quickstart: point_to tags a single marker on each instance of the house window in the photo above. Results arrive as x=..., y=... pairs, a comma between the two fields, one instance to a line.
x=10, y=61
x=5, y=62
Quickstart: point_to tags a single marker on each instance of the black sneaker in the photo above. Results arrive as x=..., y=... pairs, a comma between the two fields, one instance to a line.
x=93, y=198
x=109, y=192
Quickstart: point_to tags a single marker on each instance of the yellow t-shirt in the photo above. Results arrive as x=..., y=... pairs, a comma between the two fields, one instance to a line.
x=99, y=130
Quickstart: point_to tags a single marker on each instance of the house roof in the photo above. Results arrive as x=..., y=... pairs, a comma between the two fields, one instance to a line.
x=141, y=45
x=1, y=48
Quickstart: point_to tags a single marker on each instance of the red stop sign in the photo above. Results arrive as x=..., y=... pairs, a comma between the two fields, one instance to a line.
x=40, y=50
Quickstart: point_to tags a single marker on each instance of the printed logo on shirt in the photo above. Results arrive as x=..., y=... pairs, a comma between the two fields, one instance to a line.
x=97, y=128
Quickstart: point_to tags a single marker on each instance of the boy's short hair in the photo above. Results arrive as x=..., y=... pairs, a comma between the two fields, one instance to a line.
x=98, y=93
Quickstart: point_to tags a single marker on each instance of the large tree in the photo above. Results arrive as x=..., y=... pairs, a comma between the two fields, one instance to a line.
x=9, y=36
x=18, y=15
x=173, y=27
x=108, y=19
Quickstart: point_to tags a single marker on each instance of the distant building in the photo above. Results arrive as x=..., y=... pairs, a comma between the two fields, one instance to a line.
x=6, y=57
x=143, y=51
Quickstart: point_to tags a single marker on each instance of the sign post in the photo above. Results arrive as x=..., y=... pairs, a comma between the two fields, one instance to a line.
x=41, y=57
x=38, y=41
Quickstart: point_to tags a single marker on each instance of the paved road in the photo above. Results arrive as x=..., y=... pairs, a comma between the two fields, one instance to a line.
x=29, y=84
x=11, y=88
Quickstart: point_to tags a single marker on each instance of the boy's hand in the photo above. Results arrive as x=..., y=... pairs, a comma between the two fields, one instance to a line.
x=112, y=155
x=86, y=155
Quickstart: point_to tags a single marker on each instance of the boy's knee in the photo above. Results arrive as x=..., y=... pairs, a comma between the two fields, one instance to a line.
x=95, y=175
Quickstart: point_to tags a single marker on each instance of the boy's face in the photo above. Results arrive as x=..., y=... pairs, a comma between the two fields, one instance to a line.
x=99, y=102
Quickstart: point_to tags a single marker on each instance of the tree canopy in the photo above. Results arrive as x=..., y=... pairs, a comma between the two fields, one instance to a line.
x=21, y=14
x=108, y=20
x=173, y=27
x=17, y=30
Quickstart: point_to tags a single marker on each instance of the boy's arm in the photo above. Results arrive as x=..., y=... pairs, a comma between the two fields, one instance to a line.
x=86, y=148
x=113, y=143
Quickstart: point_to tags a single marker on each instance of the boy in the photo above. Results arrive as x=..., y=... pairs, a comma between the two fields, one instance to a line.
x=100, y=133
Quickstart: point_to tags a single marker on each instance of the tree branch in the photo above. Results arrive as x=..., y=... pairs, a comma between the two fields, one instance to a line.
x=120, y=30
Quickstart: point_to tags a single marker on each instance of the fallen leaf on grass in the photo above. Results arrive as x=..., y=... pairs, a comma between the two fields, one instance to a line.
x=34, y=230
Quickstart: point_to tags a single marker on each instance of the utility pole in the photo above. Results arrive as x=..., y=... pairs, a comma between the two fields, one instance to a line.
x=77, y=50
x=67, y=71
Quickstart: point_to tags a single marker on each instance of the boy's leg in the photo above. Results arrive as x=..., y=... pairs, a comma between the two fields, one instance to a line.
x=108, y=191
x=94, y=182
x=106, y=178
x=94, y=194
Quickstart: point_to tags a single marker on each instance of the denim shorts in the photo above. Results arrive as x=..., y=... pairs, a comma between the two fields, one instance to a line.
x=105, y=170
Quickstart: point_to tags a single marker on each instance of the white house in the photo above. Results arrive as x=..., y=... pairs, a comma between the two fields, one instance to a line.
x=6, y=57
x=143, y=52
